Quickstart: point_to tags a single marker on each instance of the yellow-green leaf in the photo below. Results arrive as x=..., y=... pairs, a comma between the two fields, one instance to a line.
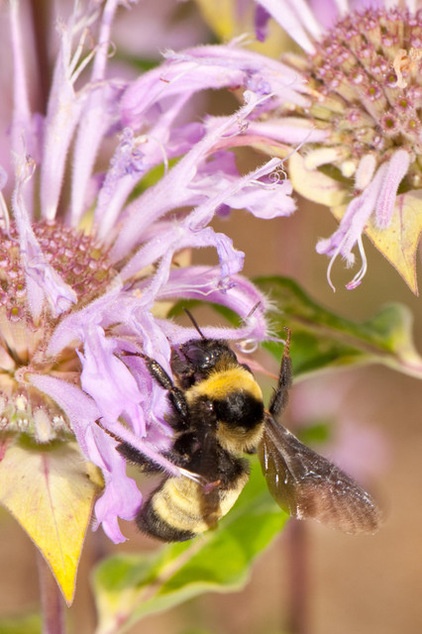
x=228, y=20
x=47, y=489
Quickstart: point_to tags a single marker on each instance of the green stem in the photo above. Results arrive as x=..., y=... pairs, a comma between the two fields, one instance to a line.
x=52, y=603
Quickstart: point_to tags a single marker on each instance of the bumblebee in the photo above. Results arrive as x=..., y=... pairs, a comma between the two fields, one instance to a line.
x=218, y=416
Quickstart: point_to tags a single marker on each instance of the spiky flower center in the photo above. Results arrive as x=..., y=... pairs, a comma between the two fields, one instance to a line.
x=75, y=256
x=367, y=90
x=82, y=264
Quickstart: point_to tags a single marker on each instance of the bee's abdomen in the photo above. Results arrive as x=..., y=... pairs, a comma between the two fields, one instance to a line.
x=151, y=523
x=180, y=508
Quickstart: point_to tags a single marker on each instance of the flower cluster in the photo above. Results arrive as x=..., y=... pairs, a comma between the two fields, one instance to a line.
x=91, y=257
x=353, y=139
x=363, y=74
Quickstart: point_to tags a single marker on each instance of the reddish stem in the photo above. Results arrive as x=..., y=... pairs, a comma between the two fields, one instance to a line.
x=298, y=576
x=52, y=603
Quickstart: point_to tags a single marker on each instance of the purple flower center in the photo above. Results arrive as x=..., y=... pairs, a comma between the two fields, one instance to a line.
x=83, y=265
x=77, y=257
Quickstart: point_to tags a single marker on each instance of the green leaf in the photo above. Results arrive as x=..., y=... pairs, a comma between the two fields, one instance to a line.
x=316, y=434
x=28, y=624
x=321, y=339
x=130, y=587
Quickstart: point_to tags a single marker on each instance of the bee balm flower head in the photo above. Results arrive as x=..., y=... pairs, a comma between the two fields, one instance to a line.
x=362, y=71
x=90, y=256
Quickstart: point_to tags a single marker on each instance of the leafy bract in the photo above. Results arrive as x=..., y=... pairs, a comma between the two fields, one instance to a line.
x=321, y=339
x=47, y=489
x=130, y=587
x=315, y=185
x=398, y=242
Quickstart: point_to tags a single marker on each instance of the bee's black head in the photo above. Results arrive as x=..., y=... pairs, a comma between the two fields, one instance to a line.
x=194, y=360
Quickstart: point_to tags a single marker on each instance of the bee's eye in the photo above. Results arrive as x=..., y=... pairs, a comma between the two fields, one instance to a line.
x=197, y=356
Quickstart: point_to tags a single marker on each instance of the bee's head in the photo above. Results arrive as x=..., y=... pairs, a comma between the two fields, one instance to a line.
x=194, y=360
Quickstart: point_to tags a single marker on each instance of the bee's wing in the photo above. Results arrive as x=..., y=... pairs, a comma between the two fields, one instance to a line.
x=308, y=486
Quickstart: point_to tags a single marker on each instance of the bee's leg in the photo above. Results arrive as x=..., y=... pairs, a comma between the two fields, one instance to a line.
x=175, y=395
x=279, y=399
x=134, y=456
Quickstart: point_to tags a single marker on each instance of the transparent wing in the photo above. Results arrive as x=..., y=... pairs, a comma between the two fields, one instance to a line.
x=308, y=486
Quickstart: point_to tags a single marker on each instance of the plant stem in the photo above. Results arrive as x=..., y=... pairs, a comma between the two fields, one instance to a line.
x=39, y=11
x=52, y=603
x=298, y=576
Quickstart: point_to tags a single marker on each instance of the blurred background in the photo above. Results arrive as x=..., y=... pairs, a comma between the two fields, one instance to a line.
x=368, y=584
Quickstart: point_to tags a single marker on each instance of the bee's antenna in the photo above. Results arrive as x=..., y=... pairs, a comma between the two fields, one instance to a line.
x=194, y=322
